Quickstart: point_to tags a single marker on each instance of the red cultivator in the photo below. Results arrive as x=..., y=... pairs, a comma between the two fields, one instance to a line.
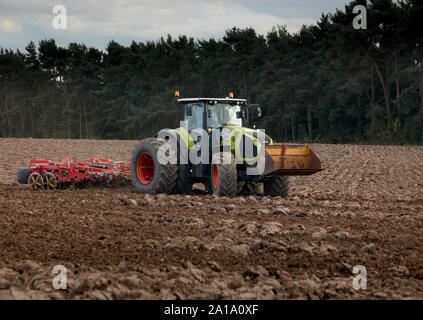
x=44, y=174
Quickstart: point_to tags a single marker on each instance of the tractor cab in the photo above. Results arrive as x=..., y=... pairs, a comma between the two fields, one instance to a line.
x=214, y=113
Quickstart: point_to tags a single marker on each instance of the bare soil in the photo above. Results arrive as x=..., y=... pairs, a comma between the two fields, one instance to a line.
x=365, y=209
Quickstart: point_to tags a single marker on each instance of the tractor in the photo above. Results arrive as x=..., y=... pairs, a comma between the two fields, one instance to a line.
x=229, y=117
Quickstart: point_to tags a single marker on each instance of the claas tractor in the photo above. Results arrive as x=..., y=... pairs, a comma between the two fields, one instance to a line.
x=226, y=169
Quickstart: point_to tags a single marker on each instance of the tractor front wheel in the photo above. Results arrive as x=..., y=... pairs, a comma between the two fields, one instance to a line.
x=252, y=188
x=277, y=187
x=223, y=175
x=147, y=173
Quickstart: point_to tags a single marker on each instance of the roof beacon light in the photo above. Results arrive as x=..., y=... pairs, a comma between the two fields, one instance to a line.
x=231, y=94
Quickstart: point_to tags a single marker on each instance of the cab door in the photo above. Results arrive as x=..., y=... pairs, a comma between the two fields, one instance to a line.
x=194, y=115
x=195, y=120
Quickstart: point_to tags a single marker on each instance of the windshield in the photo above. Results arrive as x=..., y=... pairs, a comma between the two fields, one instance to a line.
x=224, y=115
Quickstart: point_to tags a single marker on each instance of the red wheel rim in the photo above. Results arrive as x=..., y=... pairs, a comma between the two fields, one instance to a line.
x=215, y=177
x=145, y=168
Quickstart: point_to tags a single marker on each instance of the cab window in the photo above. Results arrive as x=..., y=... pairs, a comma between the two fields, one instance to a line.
x=194, y=115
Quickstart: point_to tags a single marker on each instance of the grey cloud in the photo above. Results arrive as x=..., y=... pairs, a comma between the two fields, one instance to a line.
x=95, y=22
x=295, y=8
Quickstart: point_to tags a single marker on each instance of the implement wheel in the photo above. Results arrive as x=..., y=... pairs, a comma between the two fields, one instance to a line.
x=22, y=175
x=64, y=185
x=147, y=173
x=35, y=181
x=81, y=184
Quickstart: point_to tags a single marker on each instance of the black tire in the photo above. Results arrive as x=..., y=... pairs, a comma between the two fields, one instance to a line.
x=22, y=175
x=64, y=185
x=81, y=184
x=277, y=187
x=252, y=188
x=163, y=178
x=224, y=179
x=183, y=181
x=240, y=185
x=208, y=187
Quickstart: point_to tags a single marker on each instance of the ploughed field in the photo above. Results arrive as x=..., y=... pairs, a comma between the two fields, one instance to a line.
x=365, y=209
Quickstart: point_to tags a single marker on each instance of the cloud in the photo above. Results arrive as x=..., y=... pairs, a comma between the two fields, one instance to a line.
x=9, y=26
x=95, y=22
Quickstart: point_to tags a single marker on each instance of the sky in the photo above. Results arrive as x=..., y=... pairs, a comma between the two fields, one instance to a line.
x=96, y=22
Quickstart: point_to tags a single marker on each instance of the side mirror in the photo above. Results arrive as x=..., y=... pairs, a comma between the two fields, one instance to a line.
x=255, y=106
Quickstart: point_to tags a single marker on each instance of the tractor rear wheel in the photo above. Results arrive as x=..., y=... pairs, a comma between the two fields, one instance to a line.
x=22, y=175
x=276, y=187
x=184, y=182
x=147, y=173
x=223, y=176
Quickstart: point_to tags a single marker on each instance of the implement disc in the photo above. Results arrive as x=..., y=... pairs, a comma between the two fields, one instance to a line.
x=50, y=181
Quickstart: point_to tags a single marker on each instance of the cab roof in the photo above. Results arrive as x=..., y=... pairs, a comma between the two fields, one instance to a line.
x=184, y=100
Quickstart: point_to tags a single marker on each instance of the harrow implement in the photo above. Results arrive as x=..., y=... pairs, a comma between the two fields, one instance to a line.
x=45, y=174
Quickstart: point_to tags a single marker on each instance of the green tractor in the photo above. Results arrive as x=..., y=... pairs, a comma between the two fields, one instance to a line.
x=226, y=171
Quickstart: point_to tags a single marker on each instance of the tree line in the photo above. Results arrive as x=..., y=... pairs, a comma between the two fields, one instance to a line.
x=328, y=82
